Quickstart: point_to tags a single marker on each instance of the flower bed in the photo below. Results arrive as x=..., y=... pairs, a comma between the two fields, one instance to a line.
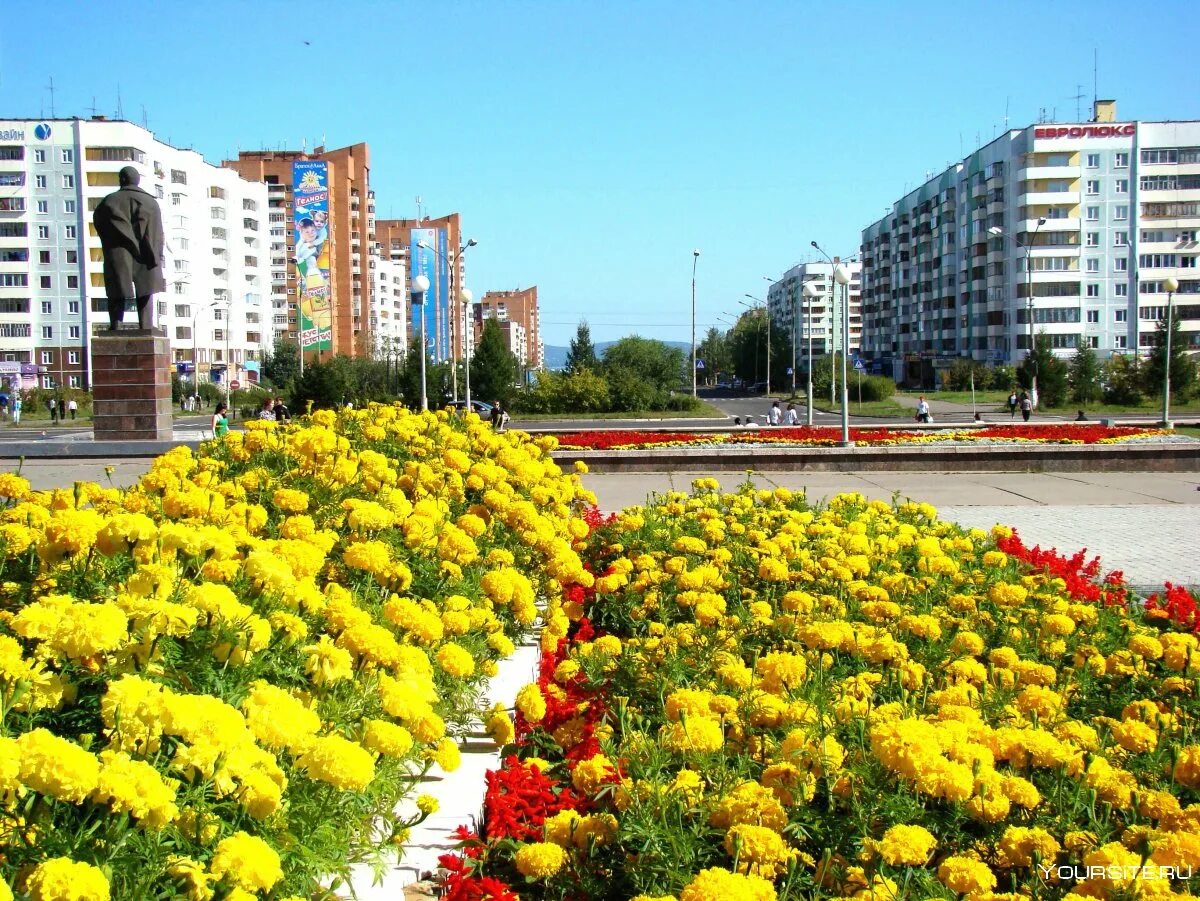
x=821, y=436
x=219, y=683
x=760, y=699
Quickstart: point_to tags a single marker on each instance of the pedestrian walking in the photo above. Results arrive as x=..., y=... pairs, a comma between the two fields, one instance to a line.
x=72, y=408
x=1012, y=404
x=922, y=409
x=1026, y=404
x=62, y=409
x=776, y=413
x=220, y=421
x=52, y=410
x=793, y=418
x=16, y=409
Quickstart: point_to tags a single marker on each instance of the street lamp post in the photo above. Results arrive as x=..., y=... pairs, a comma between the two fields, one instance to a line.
x=810, y=294
x=695, y=262
x=1172, y=285
x=466, y=297
x=1001, y=233
x=841, y=277
x=767, y=310
x=451, y=265
x=420, y=284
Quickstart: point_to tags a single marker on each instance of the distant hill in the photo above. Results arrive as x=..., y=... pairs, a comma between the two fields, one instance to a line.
x=556, y=356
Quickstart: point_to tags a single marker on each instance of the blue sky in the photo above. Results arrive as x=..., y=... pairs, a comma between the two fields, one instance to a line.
x=591, y=146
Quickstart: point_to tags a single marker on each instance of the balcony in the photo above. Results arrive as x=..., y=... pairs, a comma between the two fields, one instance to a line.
x=1038, y=172
x=1042, y=198
x=1058, y=225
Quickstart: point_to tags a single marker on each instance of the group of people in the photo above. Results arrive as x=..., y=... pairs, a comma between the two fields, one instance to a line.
x=1022, y=402
x=774, y=416
x=13, y=405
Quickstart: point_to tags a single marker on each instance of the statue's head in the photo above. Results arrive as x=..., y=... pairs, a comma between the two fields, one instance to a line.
x=129, y=177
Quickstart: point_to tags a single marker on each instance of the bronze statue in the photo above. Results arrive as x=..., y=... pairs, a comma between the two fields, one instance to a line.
x=129, y=224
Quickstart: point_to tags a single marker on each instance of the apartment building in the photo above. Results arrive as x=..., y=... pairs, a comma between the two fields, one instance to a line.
x=53, y=173
x=519, y=306
x=821, y=317
x=389, y=308
x=443, y=262
x=339, y=317
x=1066, y=229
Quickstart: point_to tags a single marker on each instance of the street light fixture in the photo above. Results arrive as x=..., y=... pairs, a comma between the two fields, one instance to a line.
x=1001, y=233
x=767, y=310
x=841, y=275
x=451, y=265
x=695, y=262
x=420, y=284
x=1172, y=285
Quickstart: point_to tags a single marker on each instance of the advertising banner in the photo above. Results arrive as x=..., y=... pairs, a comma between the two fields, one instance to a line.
x=310, y=190
x=423, y=264
x=443, y=298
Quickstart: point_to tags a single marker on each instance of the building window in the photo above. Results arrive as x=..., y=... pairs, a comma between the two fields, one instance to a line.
x=1120, y=264
x=73, y=381
x=68, y=181
x=69, y=232
x=73, y=306
x=68, y=206
x=47, y=308
x=48, y=382
x=1093, y=214
x=1092, y=340
x=47, y=331
x=68, y=155
x=43, y=206
x=47, y=357
x=1121, y=160
x=73, y=357
x=1093, y=265
x=1160, y=157
x=39, y=156
x=1122, y=185
x=43, y=232
x=1120, y=239
x=1093, y=161
x=72, y=281
x=72, y=256
x=1121, y=212
x=1093, y=315
x=1121, y=290
x=1093, y=186
x=73, y=332
x=44, y=282
x=1093, y=290
x=44, y=257
x=39, y=181
x=1119, y=315
x=1093, y=239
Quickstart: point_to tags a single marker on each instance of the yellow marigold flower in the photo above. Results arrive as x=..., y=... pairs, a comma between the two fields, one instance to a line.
x=277, y=718
x=455, y=660
x=965, y=874
x=248, y=862
x=531, y=703
x=560, y=828
x=781, y=672
x=540, y=860
x=63, y=879
x=718, y=884
x=1180, y=850
x=289, y=500
x=326, y=662
x=1021, y=846
x=907, y=846
x=749, y=803
x=500, y=728
x=57, y=767
x=135, y=787
x=758, y=850
x=447, y=755
x=590, y=774
x=699, y=734
x=427, y=804
x=342, y=763
x=387, y=738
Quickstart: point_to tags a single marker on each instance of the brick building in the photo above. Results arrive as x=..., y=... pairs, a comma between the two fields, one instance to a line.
x=521, y=307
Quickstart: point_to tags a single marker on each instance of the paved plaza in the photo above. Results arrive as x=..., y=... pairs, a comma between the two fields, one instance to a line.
x=1145, y=524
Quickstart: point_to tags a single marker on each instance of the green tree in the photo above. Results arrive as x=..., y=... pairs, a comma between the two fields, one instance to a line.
x=1123, y=380
x=660, y=366
x=714, y=351
x=1084, y=376
x=1050, y=370
x=582, y=353
x=281, y=365
x=1183, y=370
x=494, y=368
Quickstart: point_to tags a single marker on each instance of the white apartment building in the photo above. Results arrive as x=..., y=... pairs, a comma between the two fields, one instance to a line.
x=389, y=306
x=1103, y=212
x=821, y=317
x=53, y=173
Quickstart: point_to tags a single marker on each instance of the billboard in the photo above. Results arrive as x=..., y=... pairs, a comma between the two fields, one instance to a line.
x=423, y=262
x=443, y=297
x=310, y=197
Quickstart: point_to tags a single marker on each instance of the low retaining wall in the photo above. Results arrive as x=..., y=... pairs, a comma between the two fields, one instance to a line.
x=1140, y=457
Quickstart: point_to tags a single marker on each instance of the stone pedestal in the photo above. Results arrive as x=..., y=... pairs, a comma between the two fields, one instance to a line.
x=131, y=385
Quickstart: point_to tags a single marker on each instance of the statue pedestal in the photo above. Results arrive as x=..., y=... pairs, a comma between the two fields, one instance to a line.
x=131, y=385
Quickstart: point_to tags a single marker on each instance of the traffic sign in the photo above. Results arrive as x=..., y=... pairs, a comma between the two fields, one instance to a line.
x=234, y=385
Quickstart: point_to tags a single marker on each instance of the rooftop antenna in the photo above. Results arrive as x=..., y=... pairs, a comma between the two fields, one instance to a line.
x=145, y=118
x=1006, y=100
x=92, y=108
x=50, y=88
x=1079, y=95
x=1095, y=77
x=120, y=106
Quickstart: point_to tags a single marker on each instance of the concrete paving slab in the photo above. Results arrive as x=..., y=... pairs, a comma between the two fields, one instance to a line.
x=1149, y=487
x=44, y=474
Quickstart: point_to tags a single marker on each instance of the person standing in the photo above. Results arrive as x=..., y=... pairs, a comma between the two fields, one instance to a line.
x=1012, y=404
x=52, y=410
x=72, y=408
x=793, y=418
x=1026, y=406
x=16, y=408
x=220, y=421
x=776, y=413
x=922, y=409
x=268, y=409
x=62, y=409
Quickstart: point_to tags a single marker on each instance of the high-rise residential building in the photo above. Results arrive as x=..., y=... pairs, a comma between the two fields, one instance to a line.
x=389, y=308
x=53, y=173
x=442, y=261
x=340, y=315
x=520, y=306
x=1066, y=229
x=820, y=318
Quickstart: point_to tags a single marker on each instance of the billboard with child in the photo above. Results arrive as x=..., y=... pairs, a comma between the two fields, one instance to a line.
x=310, y=202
